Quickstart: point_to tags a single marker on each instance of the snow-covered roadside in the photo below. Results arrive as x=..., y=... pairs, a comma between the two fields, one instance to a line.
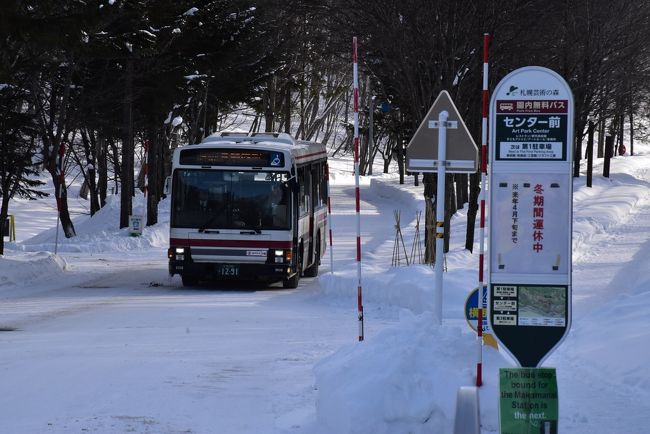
x=382, y=383
x=403, y=378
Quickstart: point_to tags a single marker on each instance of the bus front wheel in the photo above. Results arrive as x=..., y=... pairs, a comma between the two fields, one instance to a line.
x=189, y=280
x=313, y=270
x=292, y=282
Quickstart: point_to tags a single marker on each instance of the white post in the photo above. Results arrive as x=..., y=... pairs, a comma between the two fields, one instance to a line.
x=440, y=210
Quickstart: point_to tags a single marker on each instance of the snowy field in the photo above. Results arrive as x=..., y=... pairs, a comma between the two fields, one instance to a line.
x=99, y=339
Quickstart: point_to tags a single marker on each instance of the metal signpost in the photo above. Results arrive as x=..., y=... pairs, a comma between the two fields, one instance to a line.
x=450, y=149
x=530, y=202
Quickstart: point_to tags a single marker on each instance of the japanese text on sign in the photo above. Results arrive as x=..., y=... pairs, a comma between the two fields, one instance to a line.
x=531, y=129
x=538, y=218
x=532, y=236
x=532, y=106
x=532, y=121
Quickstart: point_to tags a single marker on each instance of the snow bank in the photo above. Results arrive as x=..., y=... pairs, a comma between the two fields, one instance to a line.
x=403, y=380
x=101, y=232
x=30, y=268
x=403, y=287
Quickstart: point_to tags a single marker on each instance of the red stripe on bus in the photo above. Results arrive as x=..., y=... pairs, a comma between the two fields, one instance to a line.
x=311, y=155
x=181, y=242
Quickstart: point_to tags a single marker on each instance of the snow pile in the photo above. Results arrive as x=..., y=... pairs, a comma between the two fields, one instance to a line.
x=30, y=268
x=403, y=380
x=101, y=232
x=409, y=288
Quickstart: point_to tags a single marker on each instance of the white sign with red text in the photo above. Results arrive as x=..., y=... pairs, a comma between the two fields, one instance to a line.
x=530, y=212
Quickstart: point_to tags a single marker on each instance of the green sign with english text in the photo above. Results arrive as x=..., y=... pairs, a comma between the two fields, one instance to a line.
x=528, y=401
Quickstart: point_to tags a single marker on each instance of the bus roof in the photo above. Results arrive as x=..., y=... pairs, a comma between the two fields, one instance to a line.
x=302, y=151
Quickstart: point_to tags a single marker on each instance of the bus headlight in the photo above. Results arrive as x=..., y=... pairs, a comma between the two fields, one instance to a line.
x=282, y=256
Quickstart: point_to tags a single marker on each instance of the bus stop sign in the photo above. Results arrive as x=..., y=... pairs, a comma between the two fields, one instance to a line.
x=530, y=203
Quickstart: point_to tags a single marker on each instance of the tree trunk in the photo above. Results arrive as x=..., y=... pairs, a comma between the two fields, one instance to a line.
x=601, y=137
x=4, y=211
x=577, y=156
x=117, y=167
x=590, y=153
x=631, y=132
x=461, y=190
x=269, y=108
x=62, y=202
x=472, y=209
x=89, y=144
x=153, y=181
x=52, y=139
x=430, y=185
x=102, y=169
x=126, y=198
x=287, y=108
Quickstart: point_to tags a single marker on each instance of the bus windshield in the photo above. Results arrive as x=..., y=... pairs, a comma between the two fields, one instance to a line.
x=224, y=199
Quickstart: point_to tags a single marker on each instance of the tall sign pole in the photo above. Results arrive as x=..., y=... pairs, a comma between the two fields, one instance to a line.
x=449, y=150
x=355, y=75
x=530, y=202
x=442, y=126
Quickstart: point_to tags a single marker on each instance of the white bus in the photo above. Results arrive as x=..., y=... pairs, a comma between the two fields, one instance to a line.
x=248, y=206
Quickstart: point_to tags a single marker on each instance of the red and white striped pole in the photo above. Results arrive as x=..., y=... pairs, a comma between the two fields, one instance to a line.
x=329, y=218
x=481, y=278
x=355, y=83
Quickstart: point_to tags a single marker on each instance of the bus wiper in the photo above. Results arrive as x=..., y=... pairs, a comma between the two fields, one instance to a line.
x=205, y=225
x=252, y=232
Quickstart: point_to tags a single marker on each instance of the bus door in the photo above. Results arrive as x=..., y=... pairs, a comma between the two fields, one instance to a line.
x=305, y=212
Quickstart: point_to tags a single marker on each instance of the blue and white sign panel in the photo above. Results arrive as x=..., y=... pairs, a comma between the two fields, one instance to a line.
x=530, y=203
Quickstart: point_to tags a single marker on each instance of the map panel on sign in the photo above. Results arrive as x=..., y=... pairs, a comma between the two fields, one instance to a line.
x=542, y=306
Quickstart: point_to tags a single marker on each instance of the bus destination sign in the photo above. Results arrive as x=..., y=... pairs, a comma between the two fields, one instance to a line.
x=231, y=157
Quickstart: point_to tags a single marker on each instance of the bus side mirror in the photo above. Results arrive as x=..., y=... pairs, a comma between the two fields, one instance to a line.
x=168, y=186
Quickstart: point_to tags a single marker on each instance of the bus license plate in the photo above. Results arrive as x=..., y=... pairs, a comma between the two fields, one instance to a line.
x=228, y=270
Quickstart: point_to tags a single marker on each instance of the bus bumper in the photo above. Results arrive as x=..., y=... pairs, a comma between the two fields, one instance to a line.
x=229, y=271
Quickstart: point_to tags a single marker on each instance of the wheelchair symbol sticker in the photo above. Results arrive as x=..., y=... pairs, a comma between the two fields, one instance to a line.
x=275, y=160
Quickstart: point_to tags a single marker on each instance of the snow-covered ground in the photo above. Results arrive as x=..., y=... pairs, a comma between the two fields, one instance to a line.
x=97, y=338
